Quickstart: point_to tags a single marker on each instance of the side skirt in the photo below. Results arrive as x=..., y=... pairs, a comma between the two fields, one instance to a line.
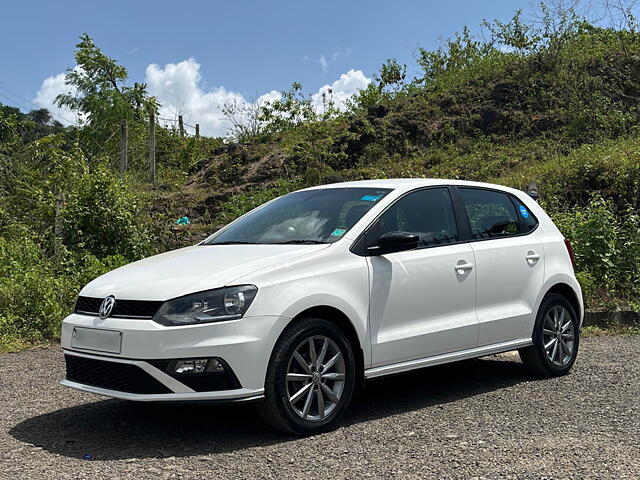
x=447, y=358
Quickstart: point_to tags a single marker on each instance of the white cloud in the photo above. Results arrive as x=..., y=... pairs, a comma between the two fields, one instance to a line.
x=342, y=89
x=345, y=52
x=323, y=63
x=46, y=96
x=272, y=96
x=180, y=89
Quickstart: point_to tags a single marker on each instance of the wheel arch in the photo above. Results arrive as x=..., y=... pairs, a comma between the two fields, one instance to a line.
x=569, y=293
x=341, y=321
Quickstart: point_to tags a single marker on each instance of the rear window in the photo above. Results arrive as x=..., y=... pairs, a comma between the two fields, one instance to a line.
x=491, y=213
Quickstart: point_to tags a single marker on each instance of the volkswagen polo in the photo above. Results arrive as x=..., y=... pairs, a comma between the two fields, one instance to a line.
x=295, y=304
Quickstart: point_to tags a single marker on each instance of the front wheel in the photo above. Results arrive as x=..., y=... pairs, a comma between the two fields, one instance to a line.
x=310, y=378
x=556, y=337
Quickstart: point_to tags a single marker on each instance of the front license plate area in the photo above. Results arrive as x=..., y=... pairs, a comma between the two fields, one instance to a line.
x=97, y=339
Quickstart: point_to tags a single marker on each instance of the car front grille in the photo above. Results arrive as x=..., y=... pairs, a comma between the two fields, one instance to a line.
x=122, y=377
x=122, y=308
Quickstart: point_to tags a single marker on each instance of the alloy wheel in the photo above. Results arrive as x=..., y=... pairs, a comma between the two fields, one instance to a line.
x=315, y=378
x=558, y=335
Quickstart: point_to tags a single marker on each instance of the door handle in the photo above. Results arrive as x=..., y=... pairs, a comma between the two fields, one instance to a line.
x=462, y=266
x=532, y=256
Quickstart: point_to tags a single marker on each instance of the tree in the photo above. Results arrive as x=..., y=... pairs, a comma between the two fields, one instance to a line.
x=391, y=73
x=101, y=95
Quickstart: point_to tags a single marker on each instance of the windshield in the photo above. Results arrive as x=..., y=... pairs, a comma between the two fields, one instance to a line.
x=311, y=216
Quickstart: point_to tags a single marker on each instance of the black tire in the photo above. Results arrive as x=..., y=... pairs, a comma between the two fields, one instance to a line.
x=276, y=409
x=535, y=357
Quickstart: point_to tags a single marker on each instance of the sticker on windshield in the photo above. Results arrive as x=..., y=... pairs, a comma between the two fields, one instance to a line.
x=371, y=198
x=524, y=212
x=338, y=232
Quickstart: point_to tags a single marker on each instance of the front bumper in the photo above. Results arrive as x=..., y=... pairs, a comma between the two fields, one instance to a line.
x=245, y=345
x=169, y=388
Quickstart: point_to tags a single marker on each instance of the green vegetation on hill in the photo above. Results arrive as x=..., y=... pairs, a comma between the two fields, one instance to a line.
x=556, y=102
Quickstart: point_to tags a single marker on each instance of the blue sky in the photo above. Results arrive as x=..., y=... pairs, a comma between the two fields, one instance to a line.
x=238, y=49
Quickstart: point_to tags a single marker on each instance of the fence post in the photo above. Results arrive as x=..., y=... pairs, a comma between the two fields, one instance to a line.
x=57, y=226
x=197, y=130
x=181, y=125
x=152, y=146
x=123, y=146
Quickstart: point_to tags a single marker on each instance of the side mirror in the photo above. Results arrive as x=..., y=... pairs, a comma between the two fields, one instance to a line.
x=394, y=242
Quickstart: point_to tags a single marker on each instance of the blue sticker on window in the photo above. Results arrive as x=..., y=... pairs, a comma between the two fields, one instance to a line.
x=371, y=198
x=338, y=232
x=524, y=212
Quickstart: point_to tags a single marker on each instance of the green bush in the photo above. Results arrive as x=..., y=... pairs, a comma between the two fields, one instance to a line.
x=36, y=292
x=104, y=217
x=606, y=243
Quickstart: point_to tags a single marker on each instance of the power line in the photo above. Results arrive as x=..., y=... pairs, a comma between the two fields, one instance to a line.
x=33, y=104
x=19, y=105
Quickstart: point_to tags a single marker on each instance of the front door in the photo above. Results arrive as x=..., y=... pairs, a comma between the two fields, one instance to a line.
x=422, y=300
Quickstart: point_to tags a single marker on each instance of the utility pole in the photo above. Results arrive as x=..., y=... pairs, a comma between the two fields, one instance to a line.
x=181, y=125
x=123, y=146
x=197, y=130
x=152, y=146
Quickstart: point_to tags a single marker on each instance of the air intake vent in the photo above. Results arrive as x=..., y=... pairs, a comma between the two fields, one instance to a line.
x=122, y=308
x=122, y=377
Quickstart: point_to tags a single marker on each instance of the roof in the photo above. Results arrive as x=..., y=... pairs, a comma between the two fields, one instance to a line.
x=410, y=183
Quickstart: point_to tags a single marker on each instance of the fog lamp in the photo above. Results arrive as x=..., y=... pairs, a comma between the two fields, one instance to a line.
x=196, y=366
x=191, y=366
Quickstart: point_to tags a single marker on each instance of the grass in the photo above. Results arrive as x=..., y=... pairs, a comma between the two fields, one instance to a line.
x=18, y=345
x=595, y=331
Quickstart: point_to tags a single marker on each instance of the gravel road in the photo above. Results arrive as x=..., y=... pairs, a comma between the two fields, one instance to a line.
x=478, y=419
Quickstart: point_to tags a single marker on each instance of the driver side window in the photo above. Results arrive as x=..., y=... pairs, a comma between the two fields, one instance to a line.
x=427, y=213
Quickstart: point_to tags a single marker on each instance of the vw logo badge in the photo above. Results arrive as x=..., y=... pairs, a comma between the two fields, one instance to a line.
x=107, y=306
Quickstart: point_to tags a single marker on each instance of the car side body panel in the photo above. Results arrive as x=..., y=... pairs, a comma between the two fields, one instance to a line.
x=333, y=278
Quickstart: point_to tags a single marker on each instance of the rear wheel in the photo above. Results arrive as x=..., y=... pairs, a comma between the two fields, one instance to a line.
x=556, y=338
x=310, y=378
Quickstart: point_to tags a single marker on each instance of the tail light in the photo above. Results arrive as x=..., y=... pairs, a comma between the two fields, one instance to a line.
x=567, y=244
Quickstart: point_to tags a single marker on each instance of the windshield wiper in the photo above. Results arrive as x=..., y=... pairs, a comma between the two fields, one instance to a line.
x=302, y=242
x=232, y=242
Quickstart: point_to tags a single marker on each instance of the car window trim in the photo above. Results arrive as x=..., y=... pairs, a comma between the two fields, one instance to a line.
x=358, y=246
x=523, y=225
x=511, y=197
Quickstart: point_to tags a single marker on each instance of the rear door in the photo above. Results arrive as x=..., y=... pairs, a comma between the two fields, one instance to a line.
x=509, y=263
x=422, y=300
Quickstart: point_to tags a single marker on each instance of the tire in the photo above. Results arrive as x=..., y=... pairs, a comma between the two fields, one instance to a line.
x=557, y=327
x=287, y=378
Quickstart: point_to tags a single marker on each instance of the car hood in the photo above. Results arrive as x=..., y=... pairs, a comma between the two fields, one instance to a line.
x=192, y=269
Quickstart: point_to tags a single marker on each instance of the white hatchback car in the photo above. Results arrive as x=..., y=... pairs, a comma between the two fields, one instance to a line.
x=297, y=302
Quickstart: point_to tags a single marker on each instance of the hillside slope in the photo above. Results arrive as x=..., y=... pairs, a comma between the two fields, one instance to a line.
x=556, y=103
x=561, y=111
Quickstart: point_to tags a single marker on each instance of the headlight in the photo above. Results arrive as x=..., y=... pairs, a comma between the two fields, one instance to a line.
x=217, y=305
